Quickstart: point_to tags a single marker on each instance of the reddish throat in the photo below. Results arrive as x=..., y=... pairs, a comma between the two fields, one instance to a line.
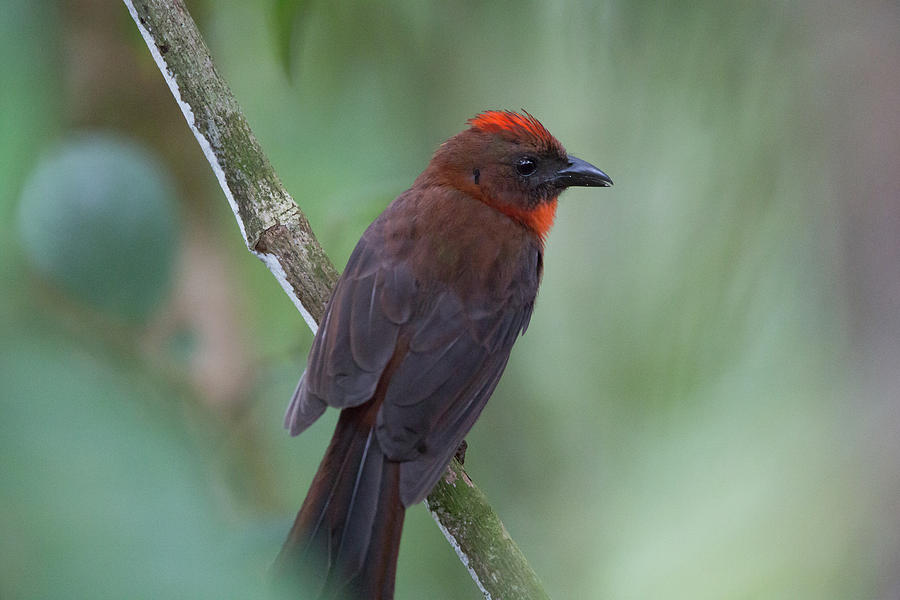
x=538, y=219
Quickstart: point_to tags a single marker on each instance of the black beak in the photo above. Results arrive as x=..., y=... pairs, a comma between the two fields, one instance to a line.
x=581, y=173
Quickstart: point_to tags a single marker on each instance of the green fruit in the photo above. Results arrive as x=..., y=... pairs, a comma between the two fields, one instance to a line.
x=97, y=219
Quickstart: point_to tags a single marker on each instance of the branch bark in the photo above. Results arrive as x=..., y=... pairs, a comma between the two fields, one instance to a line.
x=276, y=231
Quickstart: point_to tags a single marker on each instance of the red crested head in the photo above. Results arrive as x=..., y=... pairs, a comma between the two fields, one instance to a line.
x=509, y=161
x=517, y=126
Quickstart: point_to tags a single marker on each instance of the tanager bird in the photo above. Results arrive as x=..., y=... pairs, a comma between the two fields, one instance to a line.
x=414, y=339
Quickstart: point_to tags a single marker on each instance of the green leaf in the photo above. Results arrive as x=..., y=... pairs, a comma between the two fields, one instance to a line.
x=105, y=493
x=286, y=18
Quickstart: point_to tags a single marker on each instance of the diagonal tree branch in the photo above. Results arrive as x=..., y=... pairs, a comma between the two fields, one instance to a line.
x=273, y=227
x=276, y=231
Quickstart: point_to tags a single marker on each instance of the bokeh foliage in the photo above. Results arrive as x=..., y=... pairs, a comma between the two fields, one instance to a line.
x=684, y=417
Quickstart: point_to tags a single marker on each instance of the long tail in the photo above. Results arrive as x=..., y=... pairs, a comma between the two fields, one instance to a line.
x=347, y=534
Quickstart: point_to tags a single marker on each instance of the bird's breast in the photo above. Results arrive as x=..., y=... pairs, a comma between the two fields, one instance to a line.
x=454, y=242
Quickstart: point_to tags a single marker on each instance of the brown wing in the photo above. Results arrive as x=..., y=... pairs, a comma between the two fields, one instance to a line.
x=357, y=337
x=453, y=364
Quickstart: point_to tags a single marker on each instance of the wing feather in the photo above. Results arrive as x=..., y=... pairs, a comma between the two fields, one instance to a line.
x=439, y=389
x=371, y=301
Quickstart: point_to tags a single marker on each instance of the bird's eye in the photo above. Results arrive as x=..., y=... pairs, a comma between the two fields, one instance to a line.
x=526, y=166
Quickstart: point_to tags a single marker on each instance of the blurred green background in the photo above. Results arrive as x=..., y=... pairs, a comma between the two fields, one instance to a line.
x=705, y=405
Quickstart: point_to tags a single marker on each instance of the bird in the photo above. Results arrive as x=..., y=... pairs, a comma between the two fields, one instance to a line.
x=414, y=339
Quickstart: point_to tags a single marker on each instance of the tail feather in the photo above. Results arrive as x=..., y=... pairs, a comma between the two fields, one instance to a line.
x=385, y=542
x=347, y=534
